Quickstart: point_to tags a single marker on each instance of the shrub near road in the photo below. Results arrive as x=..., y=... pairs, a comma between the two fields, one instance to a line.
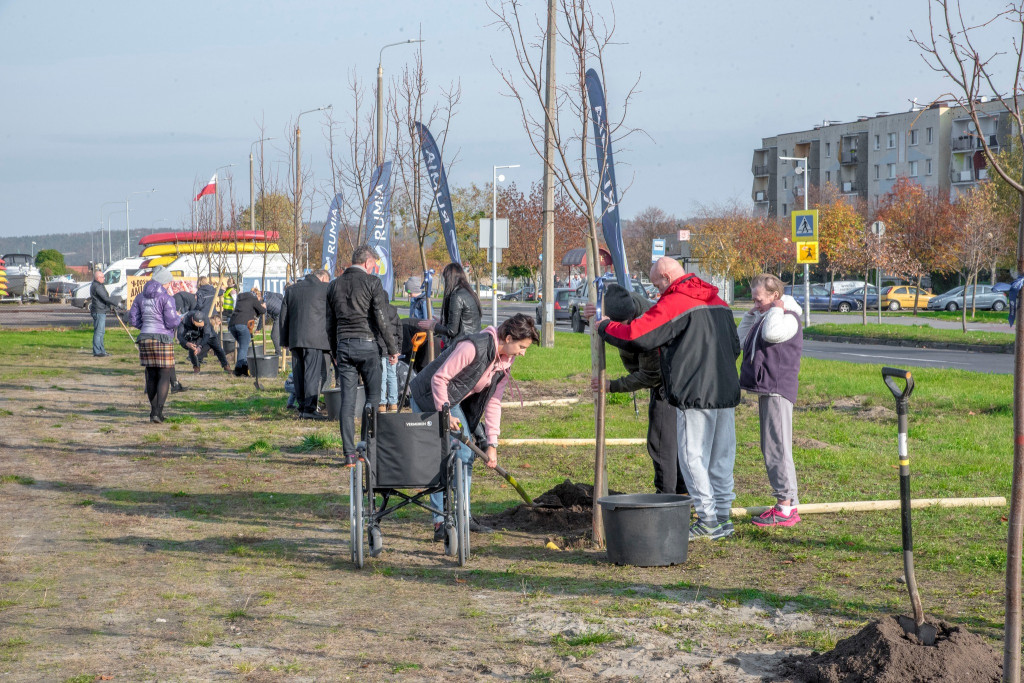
x=216, y=544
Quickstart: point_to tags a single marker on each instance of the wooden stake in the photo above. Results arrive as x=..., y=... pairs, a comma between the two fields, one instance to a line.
x=871, y=505
x=598, y=372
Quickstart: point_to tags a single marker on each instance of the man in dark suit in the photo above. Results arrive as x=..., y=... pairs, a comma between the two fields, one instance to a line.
x=304, y=331
x=357, y=316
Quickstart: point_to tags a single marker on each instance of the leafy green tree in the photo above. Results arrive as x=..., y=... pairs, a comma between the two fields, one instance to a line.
x=50, y=262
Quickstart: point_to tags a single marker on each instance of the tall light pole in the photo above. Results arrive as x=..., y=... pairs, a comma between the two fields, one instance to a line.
x=494, y=250
x=547, y=330
x=298, y=180
x=802, y=170
x=112, y=213
x=252, y=205
x=380, y=97
x=128, y=224
x=33, y=252
x=110, y=251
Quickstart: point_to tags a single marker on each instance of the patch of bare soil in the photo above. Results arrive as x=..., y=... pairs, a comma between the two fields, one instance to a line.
x=882, y=652
x=564, y=509
x=810, y=444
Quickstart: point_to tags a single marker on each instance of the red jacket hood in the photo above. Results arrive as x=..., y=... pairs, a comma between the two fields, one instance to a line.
x=693, y=287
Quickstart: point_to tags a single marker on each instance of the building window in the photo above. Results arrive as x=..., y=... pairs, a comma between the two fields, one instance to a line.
x=876, y=142
x=828, y=150
x=928, y=135
x=892, y=170
x=890, y=141
x=785, y=209
x=785, y=183
x=928, y=166
x=913, y=137
x=913, y=169
x=828, y=176
x=876, y=172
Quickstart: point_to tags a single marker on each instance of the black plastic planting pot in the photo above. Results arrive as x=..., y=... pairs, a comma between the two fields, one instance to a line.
x=646, y=529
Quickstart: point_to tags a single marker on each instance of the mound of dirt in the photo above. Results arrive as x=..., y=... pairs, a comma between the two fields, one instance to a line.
x=882, y=653
x=566, y=508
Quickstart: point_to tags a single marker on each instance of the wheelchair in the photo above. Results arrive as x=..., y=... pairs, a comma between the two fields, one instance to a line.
x=405, y=457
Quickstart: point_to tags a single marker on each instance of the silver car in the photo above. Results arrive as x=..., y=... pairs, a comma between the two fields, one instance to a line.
x=984, y=298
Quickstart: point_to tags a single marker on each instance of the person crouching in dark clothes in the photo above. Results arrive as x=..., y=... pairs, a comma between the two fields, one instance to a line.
x=644, y=370
x=273, y=301
x=184, y=301
x=197, y=336
x=247, y=307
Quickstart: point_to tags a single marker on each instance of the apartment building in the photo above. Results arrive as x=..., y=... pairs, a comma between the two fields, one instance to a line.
x=938, y=147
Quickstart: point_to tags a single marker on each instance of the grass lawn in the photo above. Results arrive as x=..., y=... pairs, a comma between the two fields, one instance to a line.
x=921, y=333
x=217, y=542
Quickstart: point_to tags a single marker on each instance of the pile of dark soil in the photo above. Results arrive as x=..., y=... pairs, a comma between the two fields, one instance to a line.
x=566, y=508
x=882, y=653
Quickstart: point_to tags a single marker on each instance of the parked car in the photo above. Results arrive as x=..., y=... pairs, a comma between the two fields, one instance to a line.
x=872, y=301
x=485, y=292
x=561, y=305
x=903, y=296
x=844, y=303
x=578, y=299
x=846, y=286
x=983, y=297
x=528, y=293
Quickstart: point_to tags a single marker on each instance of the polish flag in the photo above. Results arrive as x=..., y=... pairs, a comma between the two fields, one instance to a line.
x=210, y=188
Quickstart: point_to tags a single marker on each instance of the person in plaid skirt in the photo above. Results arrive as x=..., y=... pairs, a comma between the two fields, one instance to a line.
x=154, y=314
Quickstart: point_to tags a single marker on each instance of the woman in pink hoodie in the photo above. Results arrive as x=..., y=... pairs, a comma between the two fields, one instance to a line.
x=470, y=376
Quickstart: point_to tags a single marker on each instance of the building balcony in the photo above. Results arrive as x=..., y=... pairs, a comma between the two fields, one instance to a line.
x=970, y=143
x=760, y=170
x=957, y=177
x=760, y=196
x=849, y=187
x=849, y=157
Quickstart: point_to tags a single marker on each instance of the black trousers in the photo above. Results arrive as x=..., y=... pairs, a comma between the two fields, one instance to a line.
x=205, y=346
x=307, y=368
x=356, y=358
x=275, y=335
x=158, y=384
x=663, y=446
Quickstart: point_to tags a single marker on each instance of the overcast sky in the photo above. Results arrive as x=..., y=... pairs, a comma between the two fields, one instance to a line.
x=102, y=99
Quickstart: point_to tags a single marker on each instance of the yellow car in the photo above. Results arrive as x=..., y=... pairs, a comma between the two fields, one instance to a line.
x=902, y=296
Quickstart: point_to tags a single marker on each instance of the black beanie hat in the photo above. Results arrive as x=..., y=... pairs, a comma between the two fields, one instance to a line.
x=622, y=305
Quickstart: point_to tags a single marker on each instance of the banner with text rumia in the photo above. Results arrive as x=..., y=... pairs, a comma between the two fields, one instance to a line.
x=378, y=224
x=610, y=225
x=439, y=184
x=330, y=250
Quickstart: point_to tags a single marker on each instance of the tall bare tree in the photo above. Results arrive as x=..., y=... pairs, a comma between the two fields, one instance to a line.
x=583, y=37
x=950, y=48
x=409, y=101
x=639, y=234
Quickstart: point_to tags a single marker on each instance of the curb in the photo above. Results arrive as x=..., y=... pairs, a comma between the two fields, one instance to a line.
x=944, y=346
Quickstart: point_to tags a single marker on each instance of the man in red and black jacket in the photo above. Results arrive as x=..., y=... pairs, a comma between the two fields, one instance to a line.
x=696, y=333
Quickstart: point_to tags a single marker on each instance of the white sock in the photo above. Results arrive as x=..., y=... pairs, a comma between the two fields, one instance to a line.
x=785, y=509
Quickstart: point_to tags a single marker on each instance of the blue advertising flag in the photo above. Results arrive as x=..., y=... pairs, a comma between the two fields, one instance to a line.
x=378, y=224
x=439, y=184
x=610, y=226
x=330, y=250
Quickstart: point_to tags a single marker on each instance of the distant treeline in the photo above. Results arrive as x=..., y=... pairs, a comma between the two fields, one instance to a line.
x=78, y=247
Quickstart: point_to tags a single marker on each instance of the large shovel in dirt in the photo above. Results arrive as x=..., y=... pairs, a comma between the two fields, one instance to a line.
x=917, y=626
x=497, y=468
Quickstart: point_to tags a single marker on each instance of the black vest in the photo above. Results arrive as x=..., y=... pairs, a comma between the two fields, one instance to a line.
x=461, y=384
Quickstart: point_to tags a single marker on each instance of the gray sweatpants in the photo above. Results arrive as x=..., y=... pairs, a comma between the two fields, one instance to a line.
x=707, y=453
x=776, y=418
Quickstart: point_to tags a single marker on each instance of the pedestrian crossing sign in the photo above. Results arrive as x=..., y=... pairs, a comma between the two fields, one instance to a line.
x=806, y=252
x=805, y=226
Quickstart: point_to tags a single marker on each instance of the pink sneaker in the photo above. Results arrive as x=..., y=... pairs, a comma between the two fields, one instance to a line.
x=773, y=517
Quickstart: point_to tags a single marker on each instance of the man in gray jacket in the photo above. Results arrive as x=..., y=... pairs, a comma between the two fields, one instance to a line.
x=100, y=304
x=304, y=331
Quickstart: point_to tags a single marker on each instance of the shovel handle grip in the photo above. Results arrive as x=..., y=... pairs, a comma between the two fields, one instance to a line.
x=890, y=375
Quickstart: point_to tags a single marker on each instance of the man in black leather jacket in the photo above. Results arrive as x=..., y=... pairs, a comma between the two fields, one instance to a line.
x=100, y=304
x=356, y=317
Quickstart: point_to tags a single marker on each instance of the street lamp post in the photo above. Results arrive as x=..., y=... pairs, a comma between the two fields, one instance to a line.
x=112, y=213
x=494, y=250
x=33, y=252
x=110, y=251
x=252, y=205
x=128, y=224
x=380, y=97
x=298, y=180
x=807, y=269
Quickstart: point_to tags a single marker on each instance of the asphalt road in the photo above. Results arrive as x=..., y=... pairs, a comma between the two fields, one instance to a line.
x=65, y=315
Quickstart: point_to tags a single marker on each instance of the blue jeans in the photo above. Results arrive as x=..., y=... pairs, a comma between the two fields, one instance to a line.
x=388, y=382
x=242, y=338
x=99, y=326
x=461, y=451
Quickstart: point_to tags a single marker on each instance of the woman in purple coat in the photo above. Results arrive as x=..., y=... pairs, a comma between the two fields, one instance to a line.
x=153, y=313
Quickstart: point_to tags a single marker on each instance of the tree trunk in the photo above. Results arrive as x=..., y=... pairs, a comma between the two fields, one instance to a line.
x=1015, y=527
x=917, y=292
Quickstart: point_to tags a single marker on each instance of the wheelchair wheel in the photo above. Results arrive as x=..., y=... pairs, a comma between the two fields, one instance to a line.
x=355, y=512
x=462, y=512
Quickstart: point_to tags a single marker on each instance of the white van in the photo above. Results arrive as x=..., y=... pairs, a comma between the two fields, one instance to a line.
x=247, y=269
x=115, y=278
